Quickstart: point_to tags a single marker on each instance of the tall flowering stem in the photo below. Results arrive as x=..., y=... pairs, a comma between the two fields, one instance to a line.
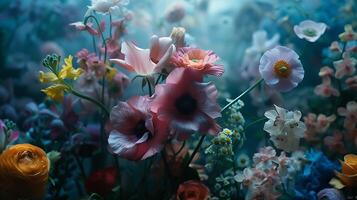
x=101, y=33
x=223, y=109
x=241, y=95
x=97, y=103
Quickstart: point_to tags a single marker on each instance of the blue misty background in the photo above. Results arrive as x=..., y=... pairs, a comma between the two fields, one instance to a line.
x=31, y=29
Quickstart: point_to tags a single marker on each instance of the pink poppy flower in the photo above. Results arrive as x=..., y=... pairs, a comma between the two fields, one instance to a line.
x=335, y=143
x=187, y=104
x=139, y=60
x=345, y=67
x=135, y=134
x=326, y=89
x=350, y=114
x=197, y=59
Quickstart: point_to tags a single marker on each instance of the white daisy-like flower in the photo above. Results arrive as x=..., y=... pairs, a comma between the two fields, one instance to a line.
x=285, y=128
x=310, y=30
x=106, y=6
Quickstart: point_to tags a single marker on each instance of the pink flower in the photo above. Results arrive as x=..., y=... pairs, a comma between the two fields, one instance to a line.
x=335, y=47
x=345, y=67
x=326, y=72
x=187, y=104
x=350, y=114
x=352, y=82
x=197, y=59
x=326, y=89
x=136, y=134
x=119, y=83
x=90, y=62
x=317, y=124
x=335, y=143
x=139, y=60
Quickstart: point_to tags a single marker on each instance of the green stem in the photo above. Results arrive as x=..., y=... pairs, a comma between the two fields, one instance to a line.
x=91, y=100
x=241, y=95
x=149, y=86
x=255, y=122
x=101, y=33
x=196, y=150
x=223, y=109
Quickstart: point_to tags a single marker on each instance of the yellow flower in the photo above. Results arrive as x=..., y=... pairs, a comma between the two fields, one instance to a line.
x=68, y=71
x=47, y=77
x=112, y=71
x=23, y=165
x=56, y=91
x=348, y=175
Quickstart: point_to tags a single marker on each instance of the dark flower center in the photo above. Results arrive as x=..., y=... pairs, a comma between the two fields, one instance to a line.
x=140, y=129
x=186, y=104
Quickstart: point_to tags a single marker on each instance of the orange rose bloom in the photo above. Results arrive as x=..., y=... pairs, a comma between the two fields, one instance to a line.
x=24, y=172
x=192, y=190
x=348, y=176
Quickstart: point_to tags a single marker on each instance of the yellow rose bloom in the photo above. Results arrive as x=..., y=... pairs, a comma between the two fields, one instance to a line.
x=68, y=71
x=47, y=77
x=55, y=92
x=348, y=176
x=24, y=172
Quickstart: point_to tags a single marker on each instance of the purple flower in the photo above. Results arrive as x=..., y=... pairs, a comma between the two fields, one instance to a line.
x=310, y=30
x=281, y=68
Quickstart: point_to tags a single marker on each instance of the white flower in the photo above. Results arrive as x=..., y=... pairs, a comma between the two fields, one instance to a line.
x=285, y=128
x=106, y=6
x=243, y=160
x=310, y=30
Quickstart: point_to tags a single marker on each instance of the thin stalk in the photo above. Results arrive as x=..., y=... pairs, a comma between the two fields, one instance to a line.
x=223, y=109
x=149, y=86
x=196, y=150
x=254, y=122
x=101, y=33
x=241, y=95
x=97, y=103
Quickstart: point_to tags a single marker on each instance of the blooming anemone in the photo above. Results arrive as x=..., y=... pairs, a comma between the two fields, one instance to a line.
x=186, y=104
x=23, y=165
x=197, y=59
x=310, y=30
x=136, y=134
x=281, y=68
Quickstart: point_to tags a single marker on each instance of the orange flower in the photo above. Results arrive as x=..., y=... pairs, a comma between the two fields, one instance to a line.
x=192, y=190
x=24, y=172
x=348, y=176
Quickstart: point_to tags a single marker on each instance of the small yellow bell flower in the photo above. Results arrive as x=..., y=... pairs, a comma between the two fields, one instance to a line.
x=47, y=77
x=68, y=71
x=111, y=72
x=56, y=91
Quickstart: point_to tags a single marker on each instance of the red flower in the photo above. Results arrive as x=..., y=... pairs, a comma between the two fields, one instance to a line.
x=102, y=181
x=186, y=104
